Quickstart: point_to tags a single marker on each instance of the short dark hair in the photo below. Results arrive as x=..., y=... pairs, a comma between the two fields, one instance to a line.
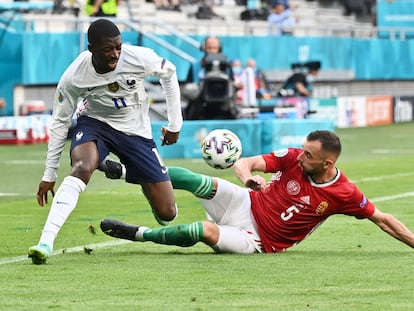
x=330, y=142
x=101, y=29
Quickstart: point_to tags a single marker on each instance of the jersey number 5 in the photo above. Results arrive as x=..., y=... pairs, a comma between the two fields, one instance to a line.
x=288, y=214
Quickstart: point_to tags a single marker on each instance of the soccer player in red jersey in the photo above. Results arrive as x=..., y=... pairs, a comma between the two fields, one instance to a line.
x=306, y=188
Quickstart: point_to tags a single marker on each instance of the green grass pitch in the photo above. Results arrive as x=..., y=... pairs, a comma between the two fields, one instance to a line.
x=346, y=264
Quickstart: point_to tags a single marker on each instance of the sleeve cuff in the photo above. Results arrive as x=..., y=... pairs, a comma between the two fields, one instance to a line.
x=50, y=174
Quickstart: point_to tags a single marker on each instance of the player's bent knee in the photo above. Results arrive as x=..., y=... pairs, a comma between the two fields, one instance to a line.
x=211, y=233
x=83, y=170
x=167, y=213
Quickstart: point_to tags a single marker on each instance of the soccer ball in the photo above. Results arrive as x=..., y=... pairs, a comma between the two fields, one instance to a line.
x=221, y=148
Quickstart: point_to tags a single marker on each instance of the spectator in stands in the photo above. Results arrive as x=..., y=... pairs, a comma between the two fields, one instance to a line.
x=300, y=82
x=101, y=8
x=238, y=71
x=280, y=20
x=2, y=103
x=261, y=84
x=168, y=5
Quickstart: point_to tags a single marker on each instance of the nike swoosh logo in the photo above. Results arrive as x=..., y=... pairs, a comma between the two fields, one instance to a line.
x=164, y=171
x=91, y=88
x=60, y=202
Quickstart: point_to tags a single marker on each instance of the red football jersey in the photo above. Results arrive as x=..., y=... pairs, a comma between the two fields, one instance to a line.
x=292, y=206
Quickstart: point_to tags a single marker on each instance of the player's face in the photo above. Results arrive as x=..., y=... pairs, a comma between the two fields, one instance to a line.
x=105, y=55
x=312, y=160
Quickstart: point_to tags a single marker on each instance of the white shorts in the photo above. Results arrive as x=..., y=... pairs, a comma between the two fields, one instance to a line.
x=230, y=210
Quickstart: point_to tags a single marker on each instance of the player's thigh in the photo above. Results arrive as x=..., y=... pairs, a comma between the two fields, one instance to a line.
x=86, y=153
x=237, y=240
x=159, y=194
x=90, y=139
x=142, y=160
x=230, y=206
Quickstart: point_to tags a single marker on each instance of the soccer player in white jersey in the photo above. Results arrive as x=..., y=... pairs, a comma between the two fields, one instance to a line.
x=110, y=78
x=306, y=189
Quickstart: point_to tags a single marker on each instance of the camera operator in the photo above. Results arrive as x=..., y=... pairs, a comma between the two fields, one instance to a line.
x=214, y=80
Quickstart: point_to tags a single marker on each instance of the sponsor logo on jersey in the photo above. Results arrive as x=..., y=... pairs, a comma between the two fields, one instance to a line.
x=321, y=207
x=293, y=187
x=60, y=97
x=113, y=87
x=280, y=153
x=363, y=202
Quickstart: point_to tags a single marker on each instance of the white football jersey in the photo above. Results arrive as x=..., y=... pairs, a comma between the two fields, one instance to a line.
x=117, y=98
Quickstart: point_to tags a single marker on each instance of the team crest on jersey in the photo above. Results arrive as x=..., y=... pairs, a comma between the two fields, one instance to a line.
x=79, y=136
x=321, y=208
x=293, y=187
x=280, y=153
x=113, y=87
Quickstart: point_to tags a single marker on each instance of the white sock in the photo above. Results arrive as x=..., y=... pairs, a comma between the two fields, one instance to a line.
x=63, y=204
x=139, y=236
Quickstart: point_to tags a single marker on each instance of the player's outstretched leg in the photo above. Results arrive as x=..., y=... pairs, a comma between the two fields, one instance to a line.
x=198, y=184
x=181, y=178
x=180, y=235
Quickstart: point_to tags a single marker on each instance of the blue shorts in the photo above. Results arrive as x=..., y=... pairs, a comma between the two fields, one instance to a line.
x=138, y=154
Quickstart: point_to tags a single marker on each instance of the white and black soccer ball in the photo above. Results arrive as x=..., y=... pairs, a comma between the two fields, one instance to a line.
x=221, y=148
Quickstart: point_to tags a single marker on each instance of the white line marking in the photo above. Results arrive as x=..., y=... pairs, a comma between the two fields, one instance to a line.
x=382, y=177
x=393, y=197
x=5, y=194
x=67, y=250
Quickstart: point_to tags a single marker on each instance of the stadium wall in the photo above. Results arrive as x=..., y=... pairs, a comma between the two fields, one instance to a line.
x=24, y=63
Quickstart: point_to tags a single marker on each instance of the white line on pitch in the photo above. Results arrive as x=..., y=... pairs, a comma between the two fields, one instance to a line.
x=382, y=177
x=68, y=250
x=393, y=197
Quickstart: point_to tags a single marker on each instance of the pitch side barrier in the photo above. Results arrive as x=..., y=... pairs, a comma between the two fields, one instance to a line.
x=286, y=124
x=257, y=136
x=280, y=123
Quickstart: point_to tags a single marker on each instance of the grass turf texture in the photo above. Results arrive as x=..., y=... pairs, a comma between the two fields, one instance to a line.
x=346, y=264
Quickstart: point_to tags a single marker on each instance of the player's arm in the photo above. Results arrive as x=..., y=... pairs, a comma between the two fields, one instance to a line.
x=244, y=169
x=166, y=71
x=63, y=109
x=393, y=227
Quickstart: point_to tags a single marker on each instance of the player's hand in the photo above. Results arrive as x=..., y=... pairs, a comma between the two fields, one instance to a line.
x=256, y=183
x=42, y=192
x=168, y=138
